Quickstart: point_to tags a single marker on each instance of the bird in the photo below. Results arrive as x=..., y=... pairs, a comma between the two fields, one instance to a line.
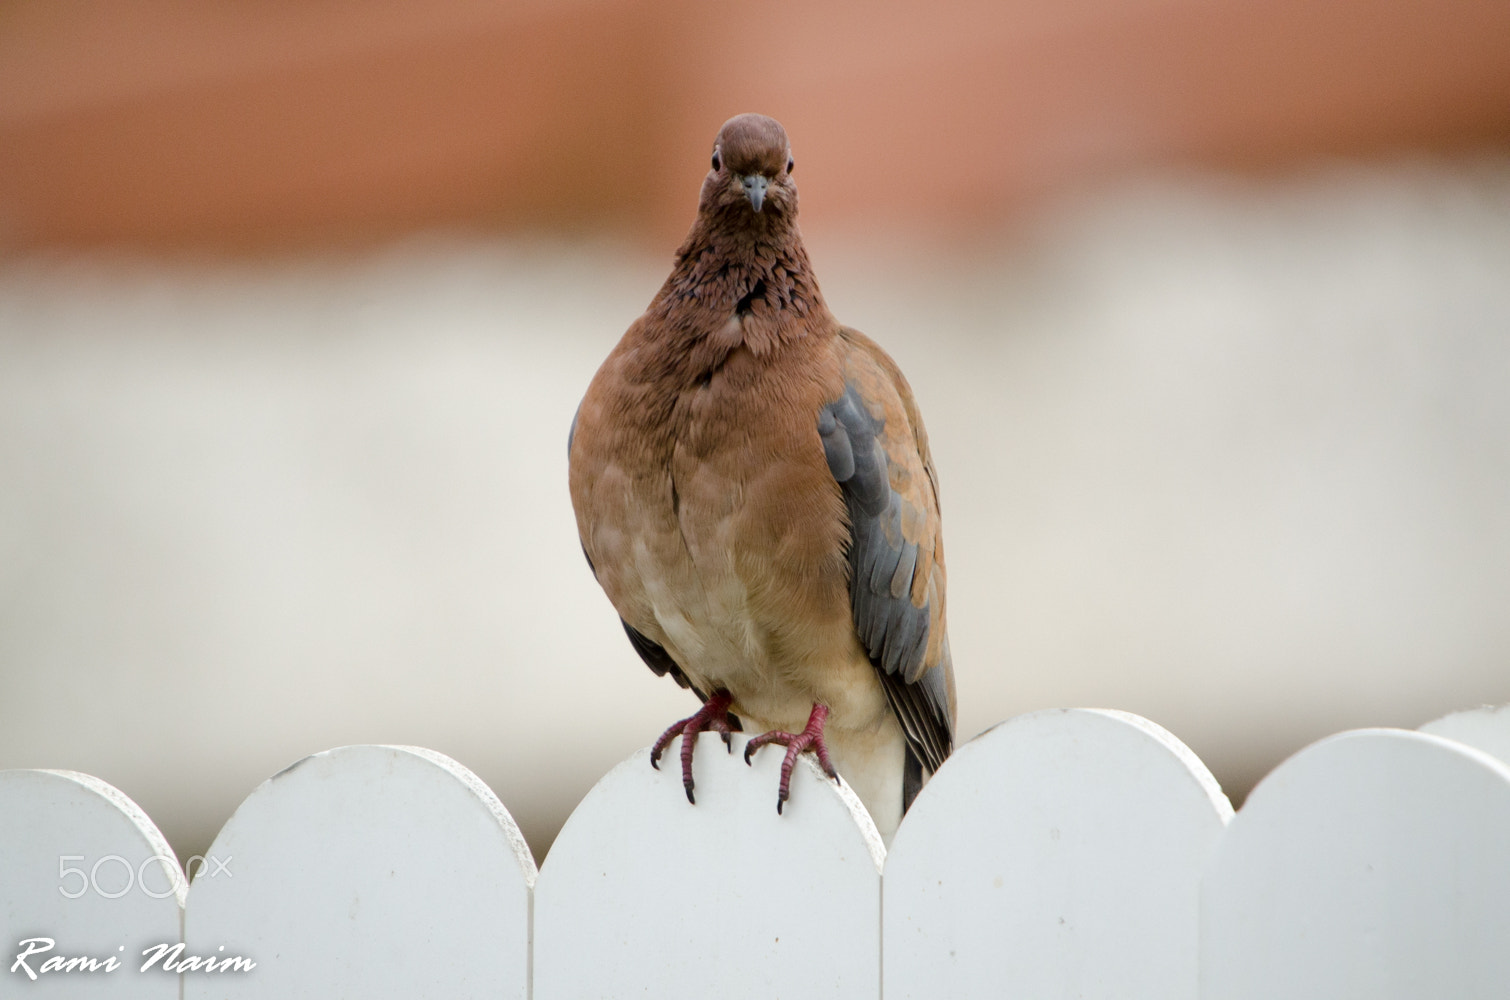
x=755, y=494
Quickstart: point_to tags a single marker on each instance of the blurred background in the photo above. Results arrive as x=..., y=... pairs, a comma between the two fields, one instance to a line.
x=1207, y=306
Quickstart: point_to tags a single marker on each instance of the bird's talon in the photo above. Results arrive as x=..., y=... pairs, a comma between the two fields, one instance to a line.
x=712, y=717
x=810, y=740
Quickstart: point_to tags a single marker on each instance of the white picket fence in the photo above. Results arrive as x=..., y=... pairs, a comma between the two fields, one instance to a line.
x=1071, y=853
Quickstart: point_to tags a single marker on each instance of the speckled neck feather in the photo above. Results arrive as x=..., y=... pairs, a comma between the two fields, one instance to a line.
x=728, y=267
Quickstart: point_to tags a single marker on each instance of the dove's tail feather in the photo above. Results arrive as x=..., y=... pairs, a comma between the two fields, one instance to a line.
x=912, y=779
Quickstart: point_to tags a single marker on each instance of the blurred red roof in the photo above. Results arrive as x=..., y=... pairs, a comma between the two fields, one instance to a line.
x=170, y=123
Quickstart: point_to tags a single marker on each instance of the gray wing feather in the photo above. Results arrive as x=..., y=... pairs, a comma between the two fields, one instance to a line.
x=882, y=563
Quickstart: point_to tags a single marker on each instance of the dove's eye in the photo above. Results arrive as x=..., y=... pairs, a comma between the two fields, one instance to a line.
x=791, y=164
x=717, y=163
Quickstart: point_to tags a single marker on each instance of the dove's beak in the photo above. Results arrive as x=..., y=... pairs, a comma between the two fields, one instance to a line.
x=755, y=185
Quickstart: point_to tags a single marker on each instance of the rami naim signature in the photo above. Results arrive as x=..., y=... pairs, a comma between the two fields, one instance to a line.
x=166, y=957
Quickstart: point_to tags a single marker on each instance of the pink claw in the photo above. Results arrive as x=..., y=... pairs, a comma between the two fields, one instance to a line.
x=810, y=740
x=712, y=717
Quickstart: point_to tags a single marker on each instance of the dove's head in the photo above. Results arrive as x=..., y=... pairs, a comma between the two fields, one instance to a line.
x=751, y=170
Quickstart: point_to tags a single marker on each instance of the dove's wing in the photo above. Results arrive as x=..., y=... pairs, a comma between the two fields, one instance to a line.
x=877, y=450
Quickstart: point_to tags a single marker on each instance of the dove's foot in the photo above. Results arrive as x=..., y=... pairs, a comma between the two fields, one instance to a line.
x=712, y=717
x=810, y=740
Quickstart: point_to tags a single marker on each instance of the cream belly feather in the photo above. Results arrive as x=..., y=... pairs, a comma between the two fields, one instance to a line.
x=729, y=648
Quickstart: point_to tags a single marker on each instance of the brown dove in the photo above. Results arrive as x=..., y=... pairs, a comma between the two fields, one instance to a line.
x=754, y=493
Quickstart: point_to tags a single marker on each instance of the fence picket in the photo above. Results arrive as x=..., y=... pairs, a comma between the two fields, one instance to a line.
x=366, y=871
x=77, y=867
x=1373, y=864
x=646, y=895
x=1486, y=729
x=1056, y=855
